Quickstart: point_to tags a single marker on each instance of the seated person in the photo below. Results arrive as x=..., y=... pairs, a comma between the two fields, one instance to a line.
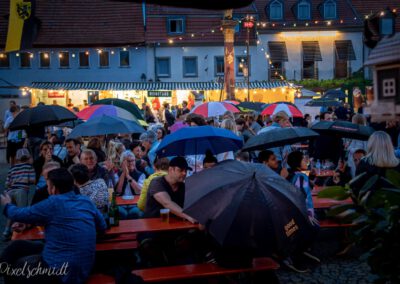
x=70, y=222
x=96, y=190
x=169, y=191
x=19, y=178
x=357, y=156
x=300, y=180
x=269, y=159
x=42, y=193
x=89, y=159
x=73, y=152
x=130, y=183
x=341, y=176
x=243, y=156
x=45, y=155
x=160, y=169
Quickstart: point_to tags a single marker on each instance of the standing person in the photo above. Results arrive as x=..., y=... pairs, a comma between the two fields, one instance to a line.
x=243, y=129
x=8, y=113
x=96, y=190
x=161, y=133
x=73, y=152
x=269, y=159
x=150, y=143
x=169, y=191
x=254, y=126
x=149, y=116
x=46, y=155
x=185, y=109
x=15, y=139
x=228, y=124
x=169, y=118
x=70, y=222
x=355, y=144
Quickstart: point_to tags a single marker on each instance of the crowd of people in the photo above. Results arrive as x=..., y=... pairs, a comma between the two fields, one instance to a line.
x=71, y=177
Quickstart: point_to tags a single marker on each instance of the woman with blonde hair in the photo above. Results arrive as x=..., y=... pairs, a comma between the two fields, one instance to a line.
x=115, y=149
x=228, y=124
x=380, y=155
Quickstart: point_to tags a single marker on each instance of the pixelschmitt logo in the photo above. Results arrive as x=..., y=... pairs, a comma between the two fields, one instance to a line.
x=29, y=271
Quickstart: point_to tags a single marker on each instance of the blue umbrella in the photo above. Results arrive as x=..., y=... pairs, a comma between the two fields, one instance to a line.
x=197, y=140
x=104, y=125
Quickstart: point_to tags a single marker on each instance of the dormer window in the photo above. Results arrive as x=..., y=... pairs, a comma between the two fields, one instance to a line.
x=386, y=23
x=303, y=10
x=276, y=10
x=330, y=9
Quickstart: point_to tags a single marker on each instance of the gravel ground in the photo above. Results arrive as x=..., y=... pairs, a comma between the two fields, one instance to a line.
x=332, y=270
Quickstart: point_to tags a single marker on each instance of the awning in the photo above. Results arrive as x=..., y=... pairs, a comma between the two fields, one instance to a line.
x=277, y=51
x=311, y=51
x=150, y=86
x=344, y=50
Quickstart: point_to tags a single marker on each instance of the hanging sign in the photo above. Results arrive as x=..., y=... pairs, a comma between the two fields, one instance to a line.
x=159, y=94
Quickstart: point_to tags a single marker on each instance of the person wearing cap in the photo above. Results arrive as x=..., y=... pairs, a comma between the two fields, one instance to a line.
x=169, y=191
x=19, y=178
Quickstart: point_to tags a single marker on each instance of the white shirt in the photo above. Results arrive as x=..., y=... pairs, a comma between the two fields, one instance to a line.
x=16, y=135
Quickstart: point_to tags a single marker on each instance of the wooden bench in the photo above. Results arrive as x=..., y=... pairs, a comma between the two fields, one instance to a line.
x=329, y=223
x=100, y=279
x=182, y=272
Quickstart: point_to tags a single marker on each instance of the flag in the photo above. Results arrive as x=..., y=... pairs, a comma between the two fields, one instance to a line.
x=21, y=25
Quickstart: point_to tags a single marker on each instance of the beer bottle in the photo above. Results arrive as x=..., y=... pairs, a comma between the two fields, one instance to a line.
x=113, y=212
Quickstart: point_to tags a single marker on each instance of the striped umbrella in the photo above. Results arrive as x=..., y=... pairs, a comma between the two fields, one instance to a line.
x=232, y=102
x=110, y=110
x=212, y=109
x=290, y=110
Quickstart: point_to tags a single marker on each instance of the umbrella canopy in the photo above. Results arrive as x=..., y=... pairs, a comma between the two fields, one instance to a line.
x=334, y=94
x=232, y=102
x=129, y=106
x=71, y=124
x=251, y=106
x=212, y=109
x=177, y=125
x=323, y=103
x=197, y=140
x=291, y=111
x=279, y=137
x=42, y=116
x=247, y=205
x=103, y=125
x=344, y=129
x=111, y=110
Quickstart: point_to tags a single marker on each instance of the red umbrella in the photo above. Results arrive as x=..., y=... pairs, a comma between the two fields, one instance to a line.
x=291, y=111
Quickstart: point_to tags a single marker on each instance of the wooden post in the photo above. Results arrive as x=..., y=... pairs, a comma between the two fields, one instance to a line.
x=228, y=25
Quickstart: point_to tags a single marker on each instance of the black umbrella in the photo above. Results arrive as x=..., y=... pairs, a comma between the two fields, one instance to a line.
x=344, y=129
x=334, y=94
x=255, y=106
x=71, y=124
x=323, y=103
x=249, y=206
x=42, y=116
x=279, y=137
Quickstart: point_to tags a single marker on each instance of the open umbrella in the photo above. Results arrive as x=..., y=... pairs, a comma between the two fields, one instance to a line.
x=104, y=125
x=290, y=110
x=111, y=110
x=279, y=137
x=323, y=103
x=344, y=129
x=251, y=106
x=129, y=106
x=232, y=102
x=197, y=140
x=45, y=115
x=212, y=109
x=249, y=206
x=334, y=94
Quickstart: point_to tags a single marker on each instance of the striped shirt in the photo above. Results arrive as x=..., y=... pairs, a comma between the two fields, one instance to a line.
x=20, y=176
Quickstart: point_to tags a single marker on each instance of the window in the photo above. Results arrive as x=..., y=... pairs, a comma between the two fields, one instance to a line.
x=330, y=9
x=4, y=60
x=124, y=58
x=176, y=25
x=387, y=26
x=104, y=59
x=219, y=66
x=241, y=66
x=163, y=67
x=276, y=10
x=276, y=70
x=25, y=60
x=64, y=59
x=303, y=10
x=84, y=59
x=190, y=66
x=44, y=60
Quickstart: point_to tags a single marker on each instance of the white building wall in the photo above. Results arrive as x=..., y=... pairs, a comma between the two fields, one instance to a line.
x=326, y=41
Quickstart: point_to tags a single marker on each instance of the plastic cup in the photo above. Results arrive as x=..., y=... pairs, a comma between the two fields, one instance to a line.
x=164, y=214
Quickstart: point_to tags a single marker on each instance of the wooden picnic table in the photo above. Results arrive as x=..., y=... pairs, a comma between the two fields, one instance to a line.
x=325, y=173
x=323, y=203
x=151, y=225
x=120, y=201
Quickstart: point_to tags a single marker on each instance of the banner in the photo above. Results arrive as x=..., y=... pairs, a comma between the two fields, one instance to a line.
x=159, y=94
x=21, y=25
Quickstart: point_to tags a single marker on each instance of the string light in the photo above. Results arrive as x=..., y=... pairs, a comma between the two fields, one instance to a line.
x=60, y=55
x=31, y=55
x=87, y=52
x=329, y=23
x=112, y=51
x=17, y=54
x=99, y=51
x=306, y=24
x=170, y=41
x=124, y=49
x=341, y=21
x=192, y=35
x=1, y=55
x=73, y=55
x=264, y=25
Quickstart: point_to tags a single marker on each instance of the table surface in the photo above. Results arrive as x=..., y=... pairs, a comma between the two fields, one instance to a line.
x=322, y=203
x=325, y=173
x=125, y=227
x=121, y=201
